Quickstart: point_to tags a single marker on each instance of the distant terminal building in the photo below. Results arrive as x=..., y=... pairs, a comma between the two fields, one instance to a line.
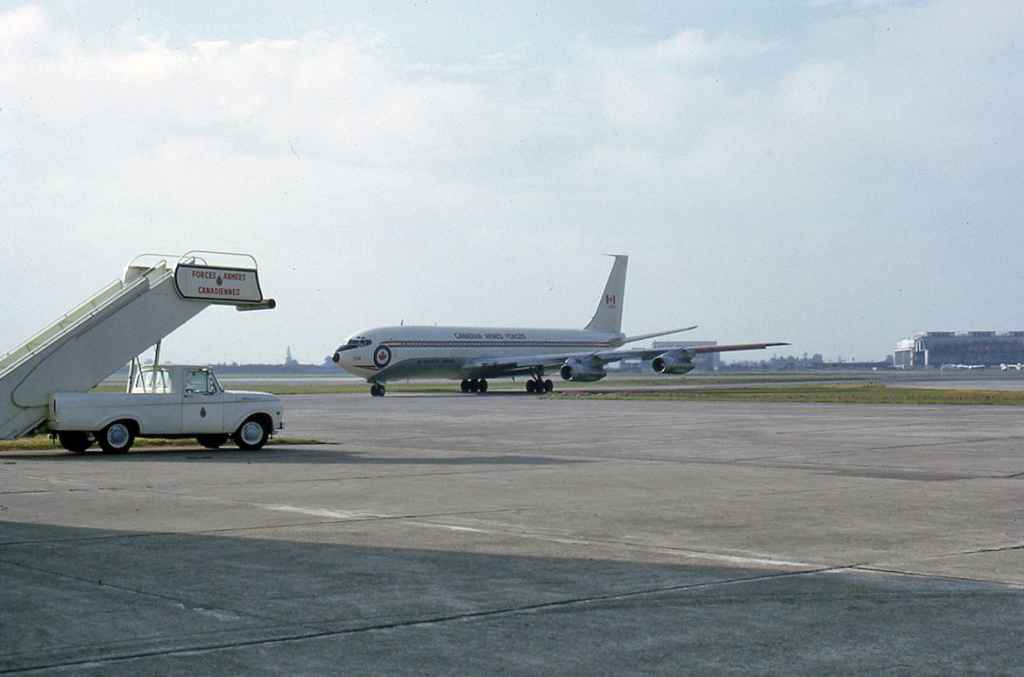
x=938, y=348
x=701, y=361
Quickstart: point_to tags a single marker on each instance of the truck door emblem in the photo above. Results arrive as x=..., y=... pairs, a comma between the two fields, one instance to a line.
x=202, y=412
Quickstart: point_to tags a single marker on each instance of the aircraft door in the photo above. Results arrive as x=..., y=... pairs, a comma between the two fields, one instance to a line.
x=202, y=404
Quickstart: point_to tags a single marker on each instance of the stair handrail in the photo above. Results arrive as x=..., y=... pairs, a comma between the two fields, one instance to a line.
x=30, y=350
x=192, y=256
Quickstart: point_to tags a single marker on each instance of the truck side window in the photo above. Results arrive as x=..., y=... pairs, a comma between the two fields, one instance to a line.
x=198, y=382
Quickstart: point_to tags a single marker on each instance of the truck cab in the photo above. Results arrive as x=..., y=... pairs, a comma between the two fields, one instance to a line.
x=172, y=401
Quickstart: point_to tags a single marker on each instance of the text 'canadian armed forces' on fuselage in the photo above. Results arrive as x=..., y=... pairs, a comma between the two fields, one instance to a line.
x=474, y=354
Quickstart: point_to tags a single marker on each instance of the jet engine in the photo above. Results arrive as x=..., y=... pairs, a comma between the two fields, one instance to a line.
x=673, y=362
x=582, y=370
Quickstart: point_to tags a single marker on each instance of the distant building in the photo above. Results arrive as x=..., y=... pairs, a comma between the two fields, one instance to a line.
x=938, y=348
x=290, y=361
x=701, y=361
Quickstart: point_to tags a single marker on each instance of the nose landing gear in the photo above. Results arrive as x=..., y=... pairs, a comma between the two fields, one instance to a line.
x=377, y=390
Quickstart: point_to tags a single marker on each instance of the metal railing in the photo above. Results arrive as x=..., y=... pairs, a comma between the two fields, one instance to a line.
x=75, y=317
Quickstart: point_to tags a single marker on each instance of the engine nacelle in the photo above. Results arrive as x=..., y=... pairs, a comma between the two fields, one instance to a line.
x=580, y=370
x=673, y=362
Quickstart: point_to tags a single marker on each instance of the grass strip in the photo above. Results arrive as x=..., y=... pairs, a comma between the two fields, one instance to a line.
x=826, y=394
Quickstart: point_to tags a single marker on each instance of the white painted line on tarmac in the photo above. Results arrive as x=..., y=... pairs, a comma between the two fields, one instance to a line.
x=680, y=552
x=449, y=527
x=322, y=512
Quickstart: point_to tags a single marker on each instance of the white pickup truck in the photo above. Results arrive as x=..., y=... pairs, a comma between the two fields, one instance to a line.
x=168, y=401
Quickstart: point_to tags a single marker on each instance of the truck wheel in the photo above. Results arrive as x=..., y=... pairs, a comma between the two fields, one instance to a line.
x=74, y=441
x=251, y=435
x=116, y=438
x=212, y=441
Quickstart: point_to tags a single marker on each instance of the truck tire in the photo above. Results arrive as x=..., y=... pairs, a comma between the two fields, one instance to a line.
x=212, y=441
x=252, y=434
x=117, y=438
x=74, y=441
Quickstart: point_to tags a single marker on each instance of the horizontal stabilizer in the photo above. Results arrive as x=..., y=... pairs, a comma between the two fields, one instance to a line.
x=641, y=337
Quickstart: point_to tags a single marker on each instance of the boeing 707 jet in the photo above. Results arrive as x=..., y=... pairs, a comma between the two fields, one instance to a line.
x=474, y=354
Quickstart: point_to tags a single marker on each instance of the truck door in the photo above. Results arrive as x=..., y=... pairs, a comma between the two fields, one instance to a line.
x=202, y=408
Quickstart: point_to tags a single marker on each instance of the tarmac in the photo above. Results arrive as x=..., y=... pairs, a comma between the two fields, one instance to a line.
x=510, y=534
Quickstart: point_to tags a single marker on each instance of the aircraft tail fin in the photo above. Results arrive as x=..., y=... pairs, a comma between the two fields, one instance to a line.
x=608, y=316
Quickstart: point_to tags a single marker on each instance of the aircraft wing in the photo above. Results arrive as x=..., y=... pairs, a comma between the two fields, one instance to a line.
x=518, y=364
x=525, y=364
x=650, y=354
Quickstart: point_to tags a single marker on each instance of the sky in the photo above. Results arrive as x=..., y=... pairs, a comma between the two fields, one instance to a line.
x=834, y=173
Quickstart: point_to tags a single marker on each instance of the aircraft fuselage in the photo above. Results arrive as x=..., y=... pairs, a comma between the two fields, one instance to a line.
x=390, y=353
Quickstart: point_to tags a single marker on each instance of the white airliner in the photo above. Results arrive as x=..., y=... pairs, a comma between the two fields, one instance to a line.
x=474, y=354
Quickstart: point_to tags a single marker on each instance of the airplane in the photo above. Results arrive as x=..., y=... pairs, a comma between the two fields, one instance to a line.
x=474, y=354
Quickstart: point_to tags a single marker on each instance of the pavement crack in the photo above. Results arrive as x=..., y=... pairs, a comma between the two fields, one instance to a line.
x=920, y=574
x=203, y=608
x=538, y=607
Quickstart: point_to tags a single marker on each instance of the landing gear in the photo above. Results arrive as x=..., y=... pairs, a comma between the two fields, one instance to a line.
x=538, y=384
x=377, y=390
x=473, y=385
x=540, y=387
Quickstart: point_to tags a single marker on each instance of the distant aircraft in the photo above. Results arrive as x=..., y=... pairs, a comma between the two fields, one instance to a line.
x=1018, y=366
x=474, y=354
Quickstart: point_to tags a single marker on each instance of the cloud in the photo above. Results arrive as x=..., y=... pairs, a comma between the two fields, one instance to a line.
x=379, y=184
x=22, y=23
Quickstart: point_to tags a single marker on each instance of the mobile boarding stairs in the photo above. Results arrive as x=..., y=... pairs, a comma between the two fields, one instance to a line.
x=157, y=294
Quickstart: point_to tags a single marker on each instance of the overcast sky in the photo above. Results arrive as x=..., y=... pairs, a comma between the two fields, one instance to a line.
x=838, y=174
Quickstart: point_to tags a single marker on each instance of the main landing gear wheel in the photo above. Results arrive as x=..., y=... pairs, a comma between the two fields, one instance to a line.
x=540, y=387
x=473, y=385
x=377, y=390
x=251, y=435
x=116, y=438
x=74, y=441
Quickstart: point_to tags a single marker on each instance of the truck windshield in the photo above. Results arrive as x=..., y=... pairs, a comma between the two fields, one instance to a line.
x=199, y=382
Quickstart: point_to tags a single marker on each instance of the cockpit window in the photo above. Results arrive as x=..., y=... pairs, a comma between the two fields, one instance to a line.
x=355, y=342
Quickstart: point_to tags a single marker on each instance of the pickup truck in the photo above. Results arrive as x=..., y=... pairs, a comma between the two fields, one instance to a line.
x=166, y=401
